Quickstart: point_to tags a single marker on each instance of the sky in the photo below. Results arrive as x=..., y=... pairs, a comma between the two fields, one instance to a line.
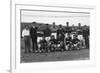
x=57, y=17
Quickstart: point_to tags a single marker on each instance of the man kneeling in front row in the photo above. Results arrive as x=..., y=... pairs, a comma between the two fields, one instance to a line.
x=75, y=43
x=43, y=45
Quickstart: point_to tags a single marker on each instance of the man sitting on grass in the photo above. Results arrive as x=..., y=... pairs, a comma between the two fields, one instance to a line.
x=75, y=42
x=52, y=44
x=43, y=45
x=68, y=42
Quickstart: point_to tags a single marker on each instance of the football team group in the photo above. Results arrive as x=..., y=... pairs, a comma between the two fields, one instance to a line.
x=66, y=38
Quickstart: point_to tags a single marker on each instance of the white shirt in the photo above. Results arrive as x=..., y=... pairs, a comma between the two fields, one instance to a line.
x=25, y=32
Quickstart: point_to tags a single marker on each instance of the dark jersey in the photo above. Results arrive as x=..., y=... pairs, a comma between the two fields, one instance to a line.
x=75, y=40
x=60, y=31
x=68, y=40
x=68, y=30
x=33, y=32
x=60, y=34
x=47, y=32
x=85, y=32
x=53, y=41
x=43, y=42
x=80, y=31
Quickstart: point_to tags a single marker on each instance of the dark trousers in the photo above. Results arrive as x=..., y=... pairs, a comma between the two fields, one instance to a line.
x=27, y=44
x=34, y=43
x=86, y=41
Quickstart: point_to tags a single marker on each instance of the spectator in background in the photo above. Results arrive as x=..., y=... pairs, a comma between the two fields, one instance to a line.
x=68, y=29
x=26, y=36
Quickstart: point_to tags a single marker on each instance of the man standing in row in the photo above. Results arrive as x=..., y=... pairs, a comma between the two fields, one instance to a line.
x=86, y=36
x=33, y=34
x=26, y=36
x=60, y=33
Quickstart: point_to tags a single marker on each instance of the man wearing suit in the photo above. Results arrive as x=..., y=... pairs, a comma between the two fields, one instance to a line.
x=33, y=34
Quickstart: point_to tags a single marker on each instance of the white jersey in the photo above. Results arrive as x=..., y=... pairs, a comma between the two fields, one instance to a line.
x=25, y=32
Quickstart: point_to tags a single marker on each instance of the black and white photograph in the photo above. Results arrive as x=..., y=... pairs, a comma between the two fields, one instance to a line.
x=51, y=36
x=48, y=35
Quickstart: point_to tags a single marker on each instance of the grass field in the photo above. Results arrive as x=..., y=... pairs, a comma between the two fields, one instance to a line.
x=82, y=54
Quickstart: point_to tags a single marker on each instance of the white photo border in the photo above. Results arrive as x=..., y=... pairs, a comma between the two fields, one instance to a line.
x=17, y=66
